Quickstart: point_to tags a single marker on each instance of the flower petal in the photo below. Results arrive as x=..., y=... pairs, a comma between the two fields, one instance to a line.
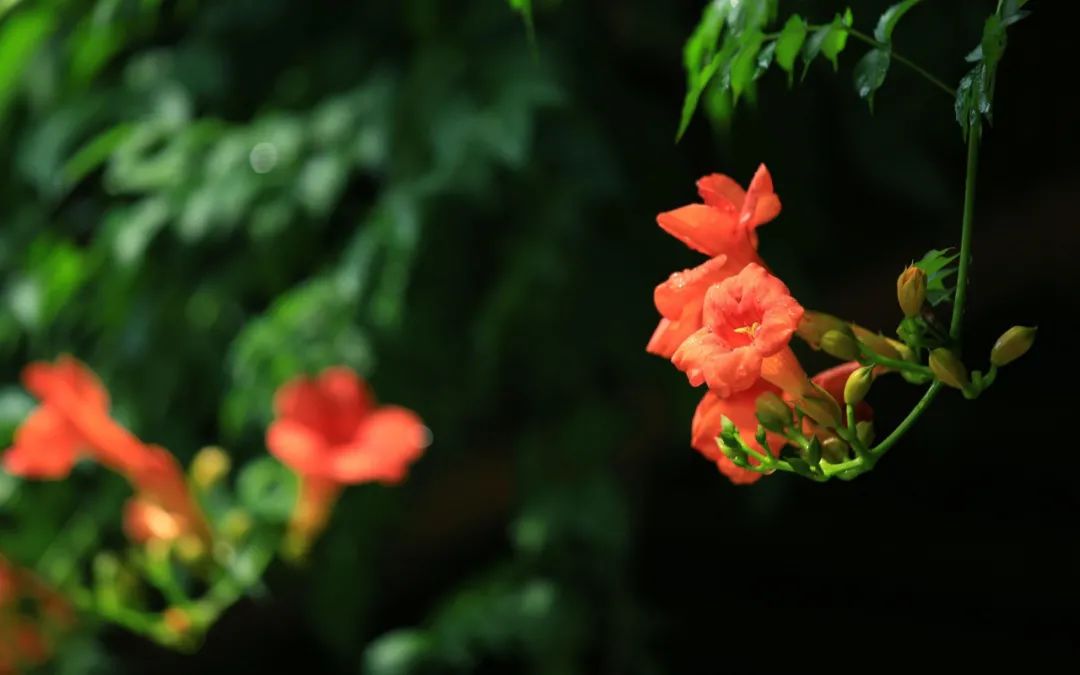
x=670, y=334
x=298, y=446
x=721, y=192
x=387, y=441
x=741, y=410
x=705, y=229
x=761, y=204
x=46, y=446
x=66, y=377
x=706, y=358
x=689, y=286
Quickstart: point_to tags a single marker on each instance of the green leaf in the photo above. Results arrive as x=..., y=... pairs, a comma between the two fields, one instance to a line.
x=750, y=15
x=744, y=63
x=972, y=98
x=938, y=264
x=693, y=94
x=827, y=40
x=701, y=45
x=268, y=489
x=889, y=19
x=765, y=59
x=701, y=60
x=789, y=43
x=94, y=153
x=524, y=8
x=20, y=37
x=834, y=41
x=870, y=74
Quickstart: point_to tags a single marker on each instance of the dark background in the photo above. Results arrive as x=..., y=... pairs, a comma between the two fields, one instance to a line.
x=561, y=523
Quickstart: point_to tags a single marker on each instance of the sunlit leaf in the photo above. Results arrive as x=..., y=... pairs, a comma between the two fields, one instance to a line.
x=789, y=43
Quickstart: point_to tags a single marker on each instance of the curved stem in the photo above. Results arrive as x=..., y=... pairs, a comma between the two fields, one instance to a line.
x=955, y=327
x=863, y=37
x=902, y=428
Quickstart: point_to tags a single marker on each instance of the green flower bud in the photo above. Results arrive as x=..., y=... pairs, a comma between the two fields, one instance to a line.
x=772, y=412
x=733, y=452
x=948, y=368
x=210, y=465
x=814, y=325
x=858, y=384
x=876, y=342
x=911, y=290
x=834, y=450
x=840, y=344
x=1012, y=344
x=864, y=431
x=821, y=407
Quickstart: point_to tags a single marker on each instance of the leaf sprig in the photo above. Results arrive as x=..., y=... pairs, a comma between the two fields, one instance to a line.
x=730, y=49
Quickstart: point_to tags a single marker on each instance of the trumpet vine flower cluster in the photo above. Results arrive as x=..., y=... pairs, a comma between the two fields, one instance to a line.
x=187, y=530
x=728, y=324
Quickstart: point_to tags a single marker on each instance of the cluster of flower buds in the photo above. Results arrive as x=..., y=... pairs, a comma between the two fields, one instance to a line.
x=200, y=531
x=727, y=324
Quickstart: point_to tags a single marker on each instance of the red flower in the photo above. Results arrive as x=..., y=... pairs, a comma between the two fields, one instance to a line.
x=748, y=322
x=74, y=420
x=723, y=227
x=330, y=432
x=740, y=409
x=330, y=428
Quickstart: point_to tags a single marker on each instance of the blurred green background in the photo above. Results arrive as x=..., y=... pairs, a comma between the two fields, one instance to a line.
x=202, y=199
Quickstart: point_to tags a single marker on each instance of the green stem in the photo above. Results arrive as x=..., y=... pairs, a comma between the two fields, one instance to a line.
x=955, y=327
x=901, y=429
x=863, y=37
x=895, y=364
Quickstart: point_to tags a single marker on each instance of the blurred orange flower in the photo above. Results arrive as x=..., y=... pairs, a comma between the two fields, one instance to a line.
x=748, y=322
x=740, y=409
x=73, y=420
x=724, y=227
x=331, y=433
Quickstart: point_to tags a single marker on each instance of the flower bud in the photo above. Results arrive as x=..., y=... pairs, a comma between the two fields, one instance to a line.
x=911, y=290
x=814, y=325
x=858, y=385
x=190, y=549
x=821, y=407
x=864, y=431
x=772, y=412
x=877, y=343
x=210, y=465
x=948, y=368
x=840, y=344
x=236, y=524
x=1013, y=344
x=834, y=450
x=176, y=620
x=733, y=452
